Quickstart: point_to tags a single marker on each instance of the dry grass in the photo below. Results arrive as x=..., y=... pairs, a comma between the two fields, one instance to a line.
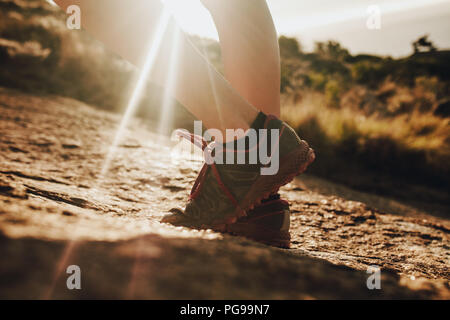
x=415, y=144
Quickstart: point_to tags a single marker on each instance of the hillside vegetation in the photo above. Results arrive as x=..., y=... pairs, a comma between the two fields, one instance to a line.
x=371, y=116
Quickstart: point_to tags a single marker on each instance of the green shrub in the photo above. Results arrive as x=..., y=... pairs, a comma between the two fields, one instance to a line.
x=332, y=93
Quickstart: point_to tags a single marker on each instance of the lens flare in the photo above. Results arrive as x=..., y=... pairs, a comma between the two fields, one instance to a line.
x=153, y=50
x=169, y=87
x=211, y=71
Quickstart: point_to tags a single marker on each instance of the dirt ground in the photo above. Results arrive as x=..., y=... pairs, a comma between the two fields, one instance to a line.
x=57, y=208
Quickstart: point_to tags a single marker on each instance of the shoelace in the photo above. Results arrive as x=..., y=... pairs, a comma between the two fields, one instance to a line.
x=207, y=151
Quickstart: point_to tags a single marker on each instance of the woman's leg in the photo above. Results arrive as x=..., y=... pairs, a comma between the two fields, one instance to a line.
x=250, y=50
x=126, y=27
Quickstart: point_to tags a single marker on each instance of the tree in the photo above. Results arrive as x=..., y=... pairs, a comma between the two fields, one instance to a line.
x=423, y=45
x=289, y=47
x=331, y=49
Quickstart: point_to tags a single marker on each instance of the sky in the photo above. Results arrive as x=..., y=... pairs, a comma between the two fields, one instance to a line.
x=401, y=22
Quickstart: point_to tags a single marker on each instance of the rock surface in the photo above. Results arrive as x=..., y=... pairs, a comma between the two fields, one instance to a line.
x=67, y=197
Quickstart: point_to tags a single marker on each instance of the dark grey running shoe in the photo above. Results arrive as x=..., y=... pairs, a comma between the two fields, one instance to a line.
x=223, y=193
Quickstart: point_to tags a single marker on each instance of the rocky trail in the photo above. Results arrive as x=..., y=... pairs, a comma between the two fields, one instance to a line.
x=58, y=209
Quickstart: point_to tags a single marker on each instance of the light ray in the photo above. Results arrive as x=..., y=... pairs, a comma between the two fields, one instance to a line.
x=60, y=267
x=170, y=85
x=211, y=71
x=154, y=47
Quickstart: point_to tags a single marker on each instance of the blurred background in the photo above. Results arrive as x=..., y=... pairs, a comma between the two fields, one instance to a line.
x=373, y=103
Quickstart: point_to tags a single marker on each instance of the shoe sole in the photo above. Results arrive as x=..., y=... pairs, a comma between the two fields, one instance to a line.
x=264, y=186
x=280, y=239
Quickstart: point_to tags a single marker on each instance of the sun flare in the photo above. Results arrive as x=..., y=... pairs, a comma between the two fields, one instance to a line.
x=192, y=17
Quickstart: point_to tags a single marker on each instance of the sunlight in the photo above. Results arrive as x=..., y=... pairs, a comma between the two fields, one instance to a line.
x=141, y=83
x=168, y=100
x=153, y=50
x=192, y=17
x=211, y=71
